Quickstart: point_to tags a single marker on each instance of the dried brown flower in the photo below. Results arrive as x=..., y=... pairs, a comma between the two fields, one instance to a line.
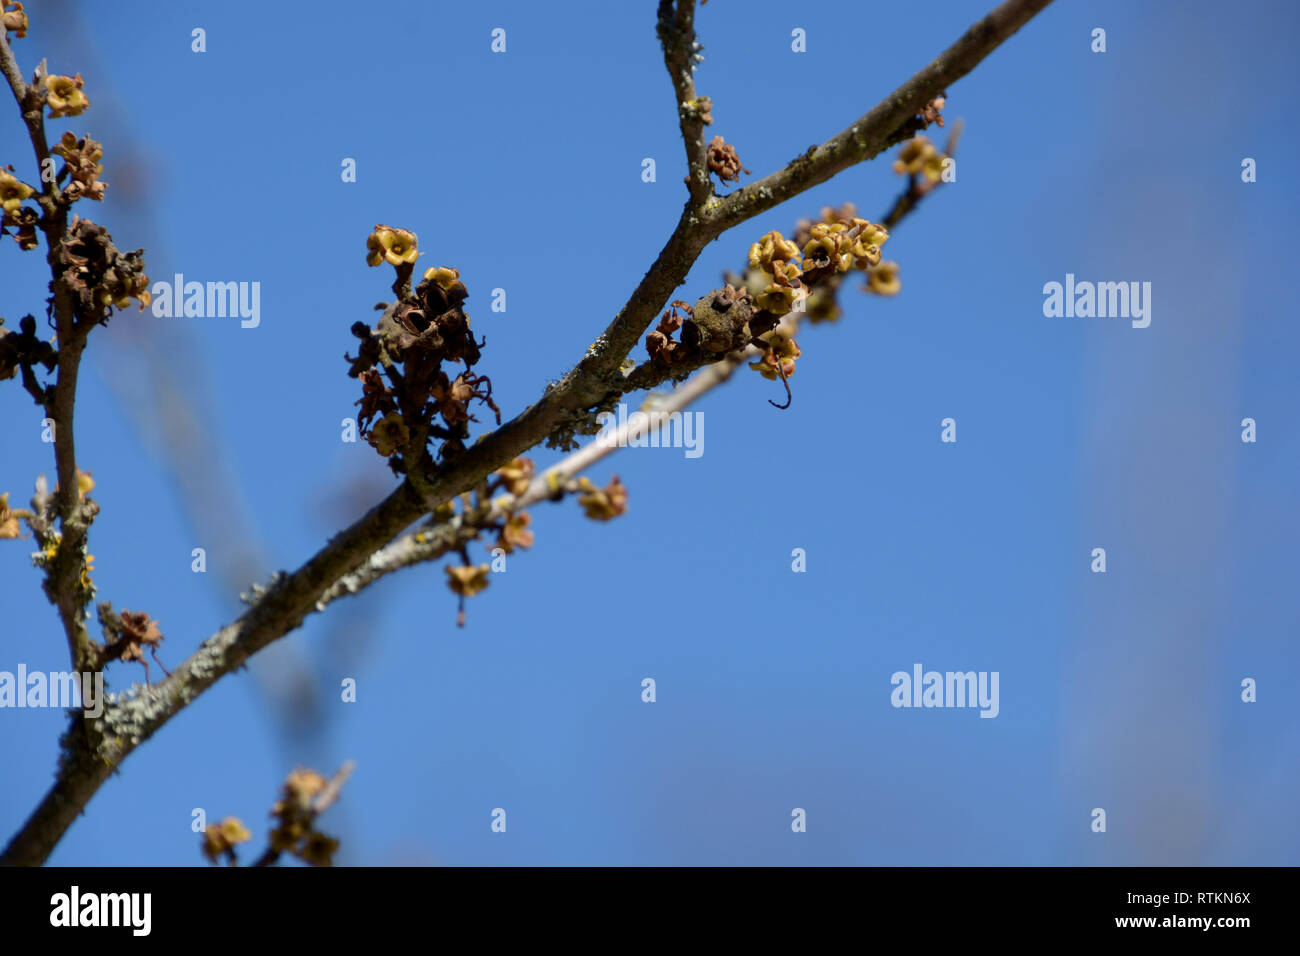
x=137, y=632
x=82, y=157
x=723, y=161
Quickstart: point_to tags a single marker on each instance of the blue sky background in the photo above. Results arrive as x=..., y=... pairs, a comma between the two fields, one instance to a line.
x=1119, y=691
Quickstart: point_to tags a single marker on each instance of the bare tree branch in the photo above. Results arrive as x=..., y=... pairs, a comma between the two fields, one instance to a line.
x=94, y=749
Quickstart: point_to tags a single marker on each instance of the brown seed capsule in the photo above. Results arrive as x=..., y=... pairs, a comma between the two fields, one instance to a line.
x=721, y=321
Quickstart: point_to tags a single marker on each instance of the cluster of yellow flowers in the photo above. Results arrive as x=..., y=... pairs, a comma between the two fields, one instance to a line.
x=400, y=247
x=919, y=155
x=801, y=274
x=845, y=244
x=831, y=247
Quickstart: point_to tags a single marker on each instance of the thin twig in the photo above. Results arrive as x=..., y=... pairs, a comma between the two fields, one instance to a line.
x=30, y=104
x=63, y=583
x=677, y=36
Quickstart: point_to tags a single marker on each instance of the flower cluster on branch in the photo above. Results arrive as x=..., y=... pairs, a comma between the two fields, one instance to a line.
x=305, y=796
x=784, y=278
x=408, y=399
x=98, y=275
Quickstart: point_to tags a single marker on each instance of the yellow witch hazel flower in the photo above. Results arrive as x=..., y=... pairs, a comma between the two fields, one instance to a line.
x=779, y=360
x=773, y=247
x=13, y=191
x=780, y=295
x=394, y=246
x=866, y=247
x=829, y=243
x=467, y=580
x=445, y=278
x=883, y=279
x=64, y=96
x=919, y=155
